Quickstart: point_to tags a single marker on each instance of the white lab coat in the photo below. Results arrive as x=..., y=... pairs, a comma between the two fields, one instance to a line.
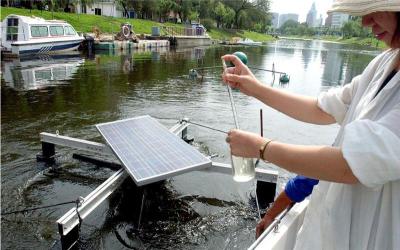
x=365, y=215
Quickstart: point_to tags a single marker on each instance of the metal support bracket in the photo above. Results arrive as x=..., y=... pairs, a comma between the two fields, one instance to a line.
x=69, y=221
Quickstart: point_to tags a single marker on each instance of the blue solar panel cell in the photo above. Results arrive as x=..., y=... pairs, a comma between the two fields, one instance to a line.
x=148, y=151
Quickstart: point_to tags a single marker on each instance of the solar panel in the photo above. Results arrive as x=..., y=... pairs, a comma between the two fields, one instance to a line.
x=148, y=151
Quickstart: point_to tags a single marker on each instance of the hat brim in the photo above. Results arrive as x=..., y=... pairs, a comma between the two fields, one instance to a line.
x=362, y=8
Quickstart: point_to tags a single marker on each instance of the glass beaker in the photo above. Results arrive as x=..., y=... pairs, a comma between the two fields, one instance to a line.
x=243, y=169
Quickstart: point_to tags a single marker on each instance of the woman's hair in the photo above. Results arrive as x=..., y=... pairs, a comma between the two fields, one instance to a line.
x=396, y=38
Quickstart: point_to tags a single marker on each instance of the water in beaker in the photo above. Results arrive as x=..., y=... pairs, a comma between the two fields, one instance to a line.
x=243, y=169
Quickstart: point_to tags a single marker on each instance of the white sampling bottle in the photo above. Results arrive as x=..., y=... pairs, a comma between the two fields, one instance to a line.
x=243, y=169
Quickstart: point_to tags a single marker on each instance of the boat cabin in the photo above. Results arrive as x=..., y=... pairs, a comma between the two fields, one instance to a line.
x=22, y=34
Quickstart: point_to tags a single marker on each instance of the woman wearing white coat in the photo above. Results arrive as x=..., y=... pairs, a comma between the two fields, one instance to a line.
x=356, y=204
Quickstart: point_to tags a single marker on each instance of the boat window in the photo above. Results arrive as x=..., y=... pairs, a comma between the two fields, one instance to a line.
x=12, y=22
x=12, y=29
x=43, y=74
x=39, y=31
x=69, y=30
x=56, y=30
x=60, y=72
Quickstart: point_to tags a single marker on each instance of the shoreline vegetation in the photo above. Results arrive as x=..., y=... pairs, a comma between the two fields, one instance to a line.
x=370, y=41
x=111, y=25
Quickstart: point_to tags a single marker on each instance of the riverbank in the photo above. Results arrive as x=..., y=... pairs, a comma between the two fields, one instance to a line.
x=371, y=42
x=110, y=25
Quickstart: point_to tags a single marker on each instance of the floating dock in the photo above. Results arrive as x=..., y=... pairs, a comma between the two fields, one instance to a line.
x=128, y=45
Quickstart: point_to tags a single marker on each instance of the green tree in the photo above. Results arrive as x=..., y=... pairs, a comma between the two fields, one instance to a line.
x=238, y=6
x=185, y=8
x=163, y=8
x=193, y=16
x=248, y=11
x=219, y=13
x=205, y=8
x=125, y=4
x=149, y=8
x=229, y=17
x=137, y=6
x=289, y=27
x=351, y=29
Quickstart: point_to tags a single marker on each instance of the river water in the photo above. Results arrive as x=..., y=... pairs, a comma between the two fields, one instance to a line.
x=198, y=210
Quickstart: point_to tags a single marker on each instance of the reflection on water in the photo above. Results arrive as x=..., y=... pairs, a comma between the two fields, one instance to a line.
x=197, y=210
x=317, y=62
x=41, y=72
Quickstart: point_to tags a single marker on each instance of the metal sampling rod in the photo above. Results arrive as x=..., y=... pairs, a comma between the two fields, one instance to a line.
x=231, y=99
x=250, y=67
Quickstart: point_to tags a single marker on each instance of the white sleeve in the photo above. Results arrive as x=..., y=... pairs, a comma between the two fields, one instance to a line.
x=372, y=149
x=336, y=101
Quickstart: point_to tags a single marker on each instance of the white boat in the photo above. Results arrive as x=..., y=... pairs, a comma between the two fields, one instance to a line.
x=249, y=42
x=22, y=35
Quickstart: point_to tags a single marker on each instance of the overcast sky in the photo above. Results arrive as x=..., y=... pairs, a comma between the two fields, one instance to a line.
x=300, y=7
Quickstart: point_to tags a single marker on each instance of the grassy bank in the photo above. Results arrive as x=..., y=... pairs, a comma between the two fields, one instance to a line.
x=372, y=42
x=85, y=23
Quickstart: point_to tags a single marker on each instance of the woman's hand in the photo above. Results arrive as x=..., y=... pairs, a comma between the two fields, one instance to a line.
x=240, y=76
x=245, y=144
x=263, y=224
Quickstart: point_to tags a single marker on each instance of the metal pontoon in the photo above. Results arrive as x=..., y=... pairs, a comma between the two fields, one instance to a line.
x=68, y=224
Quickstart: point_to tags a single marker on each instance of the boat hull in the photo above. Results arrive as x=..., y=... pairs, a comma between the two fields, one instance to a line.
x=44, y=47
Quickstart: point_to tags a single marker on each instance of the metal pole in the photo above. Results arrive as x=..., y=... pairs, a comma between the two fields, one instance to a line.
x=231, y=99
x=273, y=73
x=261, y=123
x=141, y=208
x=262, y=135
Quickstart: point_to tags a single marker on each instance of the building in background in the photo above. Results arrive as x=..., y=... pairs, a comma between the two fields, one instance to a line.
x=320, y=21
x=312, y=16
x=275, y=20
x=328, y=20
x=338, y=20
x=286, y=17
x=101, y=8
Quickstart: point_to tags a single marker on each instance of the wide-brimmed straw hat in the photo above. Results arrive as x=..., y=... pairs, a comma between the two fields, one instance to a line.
x=364, y=7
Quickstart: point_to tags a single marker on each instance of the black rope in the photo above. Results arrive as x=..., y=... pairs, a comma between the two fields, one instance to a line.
x=204, y=126
x=164, y=118
x=268, y=70
x=37, y=208
x=78, y=204
x=194, y=123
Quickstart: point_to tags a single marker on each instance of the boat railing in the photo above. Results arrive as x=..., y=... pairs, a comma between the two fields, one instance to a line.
x=182, y=31
x=282, y=233
x=272, y=227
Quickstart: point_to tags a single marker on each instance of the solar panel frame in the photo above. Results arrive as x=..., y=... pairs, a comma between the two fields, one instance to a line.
x=169, y=150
